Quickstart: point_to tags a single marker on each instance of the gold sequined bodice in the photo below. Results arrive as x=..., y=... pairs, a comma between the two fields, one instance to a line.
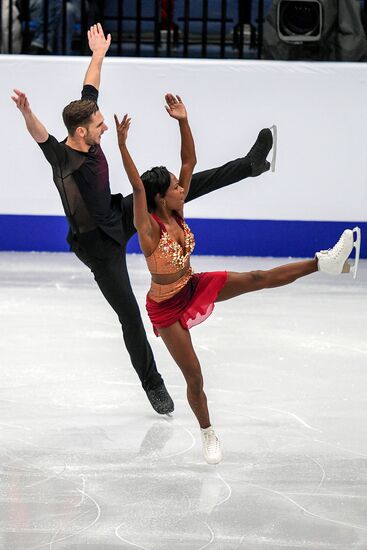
x=170, y=256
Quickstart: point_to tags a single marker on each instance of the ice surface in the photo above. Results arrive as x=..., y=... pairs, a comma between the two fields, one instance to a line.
x=85, y=463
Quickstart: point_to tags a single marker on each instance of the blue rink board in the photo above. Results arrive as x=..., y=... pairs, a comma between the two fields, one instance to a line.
x=277, y=238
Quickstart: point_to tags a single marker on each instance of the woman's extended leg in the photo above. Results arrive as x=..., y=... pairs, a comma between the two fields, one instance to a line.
x=333, y=261
x=179, y=344
x=240, y=283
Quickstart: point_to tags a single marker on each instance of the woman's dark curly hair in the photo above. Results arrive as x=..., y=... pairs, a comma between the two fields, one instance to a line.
x=156, y=182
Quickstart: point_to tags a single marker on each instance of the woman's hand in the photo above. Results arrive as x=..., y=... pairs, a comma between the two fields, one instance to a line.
x=175, y=108
x=122, y=129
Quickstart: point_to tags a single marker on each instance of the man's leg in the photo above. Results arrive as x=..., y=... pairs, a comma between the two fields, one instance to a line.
x=127, y=207
x=252, y=165
x=111, y=275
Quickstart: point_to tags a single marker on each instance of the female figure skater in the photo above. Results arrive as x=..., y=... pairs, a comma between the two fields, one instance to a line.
x=179, y=299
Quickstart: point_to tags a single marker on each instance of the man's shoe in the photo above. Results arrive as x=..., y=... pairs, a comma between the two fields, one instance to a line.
x=160, y=399
x=260, y=150
x=335, y=260
x=211, y=446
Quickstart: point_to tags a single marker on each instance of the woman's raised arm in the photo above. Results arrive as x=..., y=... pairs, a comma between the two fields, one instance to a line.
x=142, y=218
x=177, y=110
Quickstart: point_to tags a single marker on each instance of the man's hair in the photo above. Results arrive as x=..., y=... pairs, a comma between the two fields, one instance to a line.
x=78, y=113
x=156, y=182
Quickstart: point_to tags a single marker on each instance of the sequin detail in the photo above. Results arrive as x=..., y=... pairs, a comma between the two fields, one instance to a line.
x=173, y=251
x=170, y=256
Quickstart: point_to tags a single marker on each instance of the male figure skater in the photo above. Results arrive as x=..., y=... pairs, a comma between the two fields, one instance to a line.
x=101, y=223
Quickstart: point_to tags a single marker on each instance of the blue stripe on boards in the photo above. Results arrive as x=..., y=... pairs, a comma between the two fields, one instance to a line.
x=33, y=233
x=278, y=238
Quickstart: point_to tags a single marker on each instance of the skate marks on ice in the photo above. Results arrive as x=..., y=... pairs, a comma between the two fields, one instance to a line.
x=297, y=418
x=85, y=464
x=52, y=501
x=152, y=502
x=181, y=500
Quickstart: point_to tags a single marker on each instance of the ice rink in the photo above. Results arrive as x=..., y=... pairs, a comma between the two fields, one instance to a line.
x=86, y=464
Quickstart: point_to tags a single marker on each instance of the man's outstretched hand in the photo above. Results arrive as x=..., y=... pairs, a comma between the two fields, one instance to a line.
x=97, y=41
x=37, y=130
x=21, y=101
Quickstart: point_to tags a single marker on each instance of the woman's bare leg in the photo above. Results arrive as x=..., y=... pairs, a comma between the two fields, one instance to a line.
x=179, y=344
x=240, y=283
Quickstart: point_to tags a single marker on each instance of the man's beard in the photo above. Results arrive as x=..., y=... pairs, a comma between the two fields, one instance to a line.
x=90, y=141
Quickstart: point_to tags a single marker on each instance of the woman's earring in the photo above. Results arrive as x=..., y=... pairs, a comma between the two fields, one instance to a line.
x=164, y=203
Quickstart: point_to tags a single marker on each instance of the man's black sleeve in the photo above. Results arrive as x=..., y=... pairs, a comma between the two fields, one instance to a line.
x=90, y=92
x=54, y=151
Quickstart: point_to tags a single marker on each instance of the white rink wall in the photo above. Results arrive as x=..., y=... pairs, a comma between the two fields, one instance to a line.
x=319, y=108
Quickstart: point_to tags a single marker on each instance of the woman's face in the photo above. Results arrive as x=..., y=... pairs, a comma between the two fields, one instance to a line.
x=174, y=195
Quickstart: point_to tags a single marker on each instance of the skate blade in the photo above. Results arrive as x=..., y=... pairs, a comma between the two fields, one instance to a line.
x=357, y=246
x=274, y=129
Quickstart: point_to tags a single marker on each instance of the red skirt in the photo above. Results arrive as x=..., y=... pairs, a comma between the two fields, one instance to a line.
x=191, y=305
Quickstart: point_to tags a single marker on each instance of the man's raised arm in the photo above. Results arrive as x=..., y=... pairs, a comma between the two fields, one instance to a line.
x=99, y=46
x=34, y=126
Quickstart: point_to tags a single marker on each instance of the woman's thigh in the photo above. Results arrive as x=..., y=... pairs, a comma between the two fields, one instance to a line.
x=240, y=283
x=179, y=344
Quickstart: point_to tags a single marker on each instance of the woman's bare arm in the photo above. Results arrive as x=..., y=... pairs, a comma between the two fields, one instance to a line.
x=177, y=110
x=143, y=221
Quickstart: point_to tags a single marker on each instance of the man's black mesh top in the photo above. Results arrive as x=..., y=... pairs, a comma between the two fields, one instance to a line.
x=82, y=180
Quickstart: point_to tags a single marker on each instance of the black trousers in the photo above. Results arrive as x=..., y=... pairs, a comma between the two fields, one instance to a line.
x=107, y=261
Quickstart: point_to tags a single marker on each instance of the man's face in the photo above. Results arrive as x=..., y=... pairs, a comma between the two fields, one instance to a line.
x=95, y=129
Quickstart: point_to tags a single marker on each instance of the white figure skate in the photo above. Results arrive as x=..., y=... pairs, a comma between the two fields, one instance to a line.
x=211, y=446
x=335, y=260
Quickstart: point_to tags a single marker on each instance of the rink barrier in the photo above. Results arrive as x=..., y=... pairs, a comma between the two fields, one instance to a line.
x=221, y=237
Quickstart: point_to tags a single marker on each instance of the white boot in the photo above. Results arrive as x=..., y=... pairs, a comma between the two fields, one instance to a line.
x=334, y=260
x=211, y=445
